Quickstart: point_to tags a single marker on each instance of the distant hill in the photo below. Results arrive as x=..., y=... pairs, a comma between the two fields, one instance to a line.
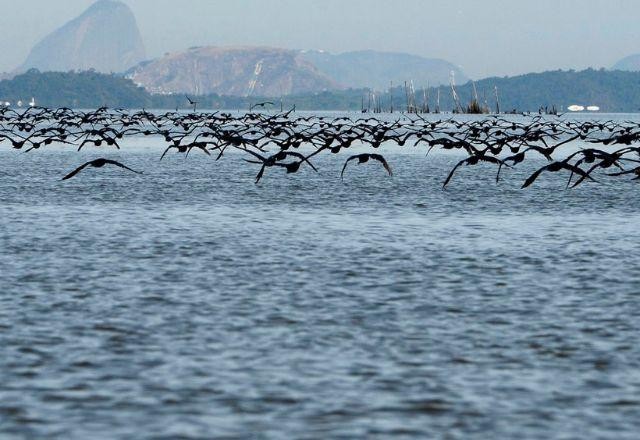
x=630, y=63
x=376, y=69
x=613, y=91
x=242, y=71
x=105, y=38
x=73, y=89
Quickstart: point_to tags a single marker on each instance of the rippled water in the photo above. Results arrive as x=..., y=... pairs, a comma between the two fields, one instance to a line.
x=190, y=303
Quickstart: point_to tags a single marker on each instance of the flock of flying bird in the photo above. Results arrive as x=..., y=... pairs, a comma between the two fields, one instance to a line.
x=286, y=141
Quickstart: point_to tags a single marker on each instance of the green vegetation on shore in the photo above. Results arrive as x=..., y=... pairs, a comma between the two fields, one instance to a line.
x=612, y=91
x=73, y=89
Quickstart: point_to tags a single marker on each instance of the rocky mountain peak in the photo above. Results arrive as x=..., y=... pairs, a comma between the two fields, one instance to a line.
x=105, y=37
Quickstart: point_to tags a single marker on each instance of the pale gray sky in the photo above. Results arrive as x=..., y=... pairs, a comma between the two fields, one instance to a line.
x=488, y=37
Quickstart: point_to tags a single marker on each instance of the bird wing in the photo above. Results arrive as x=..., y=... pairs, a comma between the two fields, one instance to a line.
x=534, y=176
x=383, y=161
x=622, y=173
x=346, y=163
x=463, y=161
x=204, y=148
x=583, y=174
x=118, y=164
x=260, y=173
x=165, y=151
x=76, y=171
x=302, y=158
x=86, y=141
x=253, y=153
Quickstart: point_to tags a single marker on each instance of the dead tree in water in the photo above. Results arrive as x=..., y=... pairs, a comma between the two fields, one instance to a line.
x=412, y=98
x=457, y=108
x=406, y=94
x=474, y=106
x=425, y=105
x=486, y=103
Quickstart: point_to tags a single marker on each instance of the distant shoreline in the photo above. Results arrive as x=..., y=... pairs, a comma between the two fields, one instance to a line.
x=612, y=91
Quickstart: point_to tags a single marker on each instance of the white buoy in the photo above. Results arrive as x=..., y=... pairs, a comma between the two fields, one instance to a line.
x=575, y=108
x=32, y=103
x=593, y=108
x=19, y=103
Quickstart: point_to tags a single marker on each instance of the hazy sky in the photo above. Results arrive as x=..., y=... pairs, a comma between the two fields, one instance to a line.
x=488, y=37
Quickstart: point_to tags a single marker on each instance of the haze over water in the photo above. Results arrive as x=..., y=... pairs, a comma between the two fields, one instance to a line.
x=189, y=302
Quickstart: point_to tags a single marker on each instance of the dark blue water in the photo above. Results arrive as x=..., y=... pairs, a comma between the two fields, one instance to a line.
x=191, y=303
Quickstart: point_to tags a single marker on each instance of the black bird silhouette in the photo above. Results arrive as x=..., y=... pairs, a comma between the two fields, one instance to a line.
x=192, y=102
x=272, y=161
x=554, y=167
x=484, y=141
x=635, y=171
x=474, y=160
x=260, y=104
x=98, y=163
x=363, y=158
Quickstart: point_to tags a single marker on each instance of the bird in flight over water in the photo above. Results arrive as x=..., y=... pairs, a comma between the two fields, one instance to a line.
x=192, y=102
x=98, y=163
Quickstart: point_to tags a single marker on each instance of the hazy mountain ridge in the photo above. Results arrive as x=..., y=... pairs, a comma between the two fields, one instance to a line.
x=630, y=63
x=375, y=69
x=242, y=71
x=105, y=37
x=264, y=71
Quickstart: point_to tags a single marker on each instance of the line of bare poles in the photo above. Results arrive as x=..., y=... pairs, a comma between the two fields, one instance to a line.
x=374, y=101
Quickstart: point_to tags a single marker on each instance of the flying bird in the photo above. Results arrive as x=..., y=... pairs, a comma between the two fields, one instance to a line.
x=192, y=102
x=363, y=158
x=261, y=104
x=98, y=163
x=553, y=168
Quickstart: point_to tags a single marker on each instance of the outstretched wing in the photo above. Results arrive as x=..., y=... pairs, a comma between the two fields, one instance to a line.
x=384, y=163
x=76, y=171
x=622, y=173
x=85, y=142
x=583, y=174
x=118, y=164
x=302, y=158
x=532, y=178
x=260, y=173
x=346, y=163
x=166, y=151
x=446, y=182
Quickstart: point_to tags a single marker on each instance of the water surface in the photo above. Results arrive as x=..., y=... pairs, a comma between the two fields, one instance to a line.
x=191, y=303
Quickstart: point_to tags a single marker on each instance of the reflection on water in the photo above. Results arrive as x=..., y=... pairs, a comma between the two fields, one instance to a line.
x=190, y=303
